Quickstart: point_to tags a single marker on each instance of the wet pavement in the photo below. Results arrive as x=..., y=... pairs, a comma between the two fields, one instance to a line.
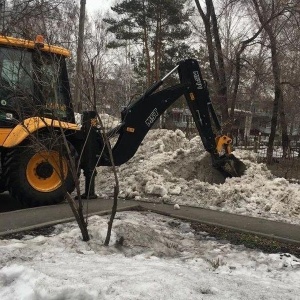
x=13, y=219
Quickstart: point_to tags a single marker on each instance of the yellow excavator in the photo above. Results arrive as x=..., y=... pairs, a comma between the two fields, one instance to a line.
x=40, y=142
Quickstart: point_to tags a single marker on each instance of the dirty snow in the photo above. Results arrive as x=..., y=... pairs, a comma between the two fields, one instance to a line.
x=156, y=257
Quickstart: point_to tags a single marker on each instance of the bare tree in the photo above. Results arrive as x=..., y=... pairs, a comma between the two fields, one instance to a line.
x=264, y=12
x=107, y=145
x=216, y=58
x=78, y=76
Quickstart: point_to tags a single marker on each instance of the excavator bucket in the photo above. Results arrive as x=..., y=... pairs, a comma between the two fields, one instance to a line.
x=227, y=163
x=231, y=166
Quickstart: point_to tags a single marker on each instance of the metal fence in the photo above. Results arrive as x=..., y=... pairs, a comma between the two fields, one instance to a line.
x=286, y=166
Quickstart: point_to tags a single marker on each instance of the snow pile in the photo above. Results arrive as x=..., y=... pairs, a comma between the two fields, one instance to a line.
x=172, y=169
x=161, y=258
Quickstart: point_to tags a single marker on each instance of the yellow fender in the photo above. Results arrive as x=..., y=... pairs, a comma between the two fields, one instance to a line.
x=29, y=126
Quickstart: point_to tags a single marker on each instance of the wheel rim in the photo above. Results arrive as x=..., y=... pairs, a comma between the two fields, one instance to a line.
x=45, y=169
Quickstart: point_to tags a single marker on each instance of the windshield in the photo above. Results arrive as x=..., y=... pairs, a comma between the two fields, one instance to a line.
x=49, y=84
x=32, y=83
x=16, y=70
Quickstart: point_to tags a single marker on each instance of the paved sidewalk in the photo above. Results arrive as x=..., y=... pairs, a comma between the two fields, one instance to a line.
x=263, y=227
x=28, y=219
x=20, y=220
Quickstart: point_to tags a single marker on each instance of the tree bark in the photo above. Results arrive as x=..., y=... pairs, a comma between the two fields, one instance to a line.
x=215, y=50
x=146, y=48
x=158, y=44
x=222, y=74
x=77, y=96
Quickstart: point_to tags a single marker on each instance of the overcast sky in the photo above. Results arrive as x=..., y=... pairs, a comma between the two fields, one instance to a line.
x=93, y=5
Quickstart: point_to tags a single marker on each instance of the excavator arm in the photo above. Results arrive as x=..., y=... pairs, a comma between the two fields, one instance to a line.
x=139, y=117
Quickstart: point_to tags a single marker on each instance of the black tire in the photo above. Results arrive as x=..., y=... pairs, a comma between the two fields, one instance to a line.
x=32, y=175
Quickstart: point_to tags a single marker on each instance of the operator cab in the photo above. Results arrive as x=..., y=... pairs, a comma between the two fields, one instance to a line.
x=33, y=82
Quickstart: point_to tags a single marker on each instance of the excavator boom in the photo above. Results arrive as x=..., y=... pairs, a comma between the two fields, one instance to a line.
x=139, y=117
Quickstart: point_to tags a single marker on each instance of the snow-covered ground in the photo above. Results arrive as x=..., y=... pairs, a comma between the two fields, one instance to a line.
x=161, y=257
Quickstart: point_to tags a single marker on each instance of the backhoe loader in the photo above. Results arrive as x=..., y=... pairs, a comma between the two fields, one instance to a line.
x=41, y=146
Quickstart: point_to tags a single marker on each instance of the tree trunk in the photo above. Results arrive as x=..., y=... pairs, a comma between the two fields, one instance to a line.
x=215, y=50
x=77, y=91
x=209, y=40
x=146, y=49
x=158, y=45
x=278, y=93
x=278, y=106
x=284, y=131
x=222, y=93
x=78, y=209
